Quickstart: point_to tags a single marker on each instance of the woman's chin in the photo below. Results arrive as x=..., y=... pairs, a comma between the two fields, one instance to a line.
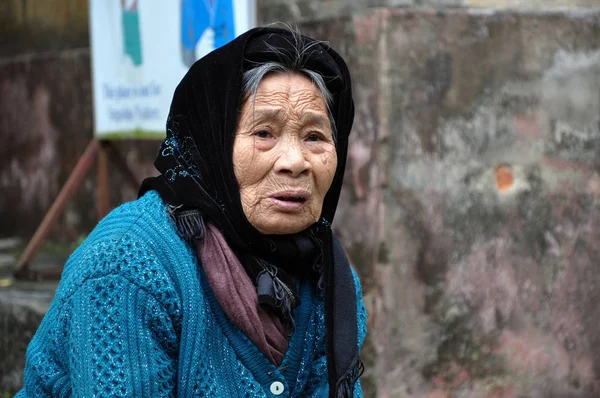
x=284, y=224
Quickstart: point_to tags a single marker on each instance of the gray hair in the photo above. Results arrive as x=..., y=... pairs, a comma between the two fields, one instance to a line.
x=289, y=63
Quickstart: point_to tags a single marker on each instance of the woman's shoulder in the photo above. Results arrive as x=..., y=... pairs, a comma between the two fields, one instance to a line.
x=136, y=241
x=142, y=224
x=147, y=211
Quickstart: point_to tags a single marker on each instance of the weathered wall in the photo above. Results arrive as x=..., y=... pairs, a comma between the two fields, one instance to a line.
x=31, y=26
x=46, y=117
x=310, y=10
x=471, y=200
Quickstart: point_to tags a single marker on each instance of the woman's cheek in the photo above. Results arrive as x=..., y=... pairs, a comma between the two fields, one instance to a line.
x=263, y=144
x=243, y=159
x=329, y=160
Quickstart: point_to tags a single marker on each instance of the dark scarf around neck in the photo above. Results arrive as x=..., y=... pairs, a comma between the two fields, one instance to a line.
x=198, y=183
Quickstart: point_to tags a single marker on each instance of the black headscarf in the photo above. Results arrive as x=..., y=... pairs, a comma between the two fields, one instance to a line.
x=198, y=182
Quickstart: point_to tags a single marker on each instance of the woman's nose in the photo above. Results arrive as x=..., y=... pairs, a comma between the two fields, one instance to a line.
x=292, y=160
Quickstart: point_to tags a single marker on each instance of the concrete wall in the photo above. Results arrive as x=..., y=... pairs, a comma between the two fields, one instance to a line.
x=29, y=26
x=46, y=117
x=310, y=10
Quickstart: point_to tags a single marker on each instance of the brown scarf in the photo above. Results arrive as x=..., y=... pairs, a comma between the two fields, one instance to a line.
x=237, y=296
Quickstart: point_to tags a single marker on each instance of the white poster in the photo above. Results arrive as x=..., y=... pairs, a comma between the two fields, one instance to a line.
x=142, y=48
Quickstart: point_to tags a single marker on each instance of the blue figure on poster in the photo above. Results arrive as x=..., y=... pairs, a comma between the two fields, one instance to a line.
x=205, y=25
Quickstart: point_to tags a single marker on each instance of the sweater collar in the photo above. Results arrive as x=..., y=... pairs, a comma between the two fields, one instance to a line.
x=300, y=348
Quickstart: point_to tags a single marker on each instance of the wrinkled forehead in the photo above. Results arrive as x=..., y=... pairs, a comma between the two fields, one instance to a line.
x=283, y=98
x=289, y=90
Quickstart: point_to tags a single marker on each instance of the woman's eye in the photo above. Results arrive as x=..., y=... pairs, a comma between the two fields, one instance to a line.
x=262, y=134
x=314, y=137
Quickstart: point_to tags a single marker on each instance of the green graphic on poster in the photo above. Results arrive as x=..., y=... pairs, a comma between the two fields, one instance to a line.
x=130, y=19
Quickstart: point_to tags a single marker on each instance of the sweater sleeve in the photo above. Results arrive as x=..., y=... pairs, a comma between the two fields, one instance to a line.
x=317, y=385
x=109, y=338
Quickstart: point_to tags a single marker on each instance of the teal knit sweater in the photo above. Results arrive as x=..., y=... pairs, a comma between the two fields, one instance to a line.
x=134, y=316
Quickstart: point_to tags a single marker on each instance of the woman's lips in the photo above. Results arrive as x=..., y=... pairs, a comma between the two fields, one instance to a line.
x=289, y=200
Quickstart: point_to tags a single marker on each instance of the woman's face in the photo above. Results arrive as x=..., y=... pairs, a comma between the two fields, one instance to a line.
x=284, y=156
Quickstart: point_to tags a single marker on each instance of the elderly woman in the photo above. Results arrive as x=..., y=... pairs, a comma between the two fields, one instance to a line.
x=224, y=279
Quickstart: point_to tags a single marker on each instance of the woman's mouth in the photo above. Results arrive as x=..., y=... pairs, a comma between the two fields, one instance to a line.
x=290, y=201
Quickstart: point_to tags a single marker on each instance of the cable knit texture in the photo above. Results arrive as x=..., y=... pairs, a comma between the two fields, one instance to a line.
x=134, y=316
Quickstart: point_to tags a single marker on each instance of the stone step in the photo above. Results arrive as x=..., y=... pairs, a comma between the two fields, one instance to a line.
x=22, y=307
x=10, y=243
x=7, y=263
